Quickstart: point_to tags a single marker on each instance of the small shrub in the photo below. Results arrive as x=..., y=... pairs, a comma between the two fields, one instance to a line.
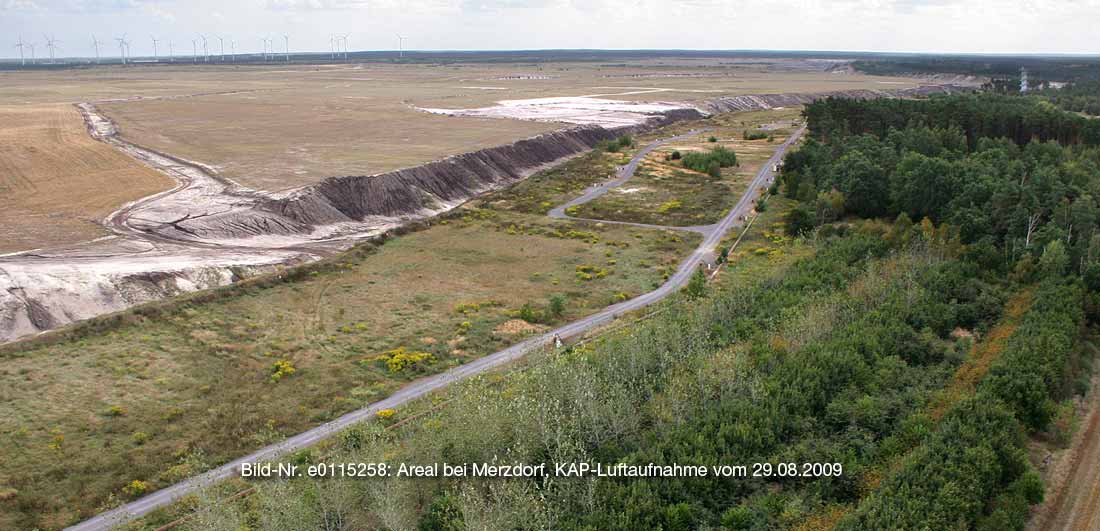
x=385, y=414
x=672, y=204
x=399, y=359
x=281, y=369
x=712, y=139
x=57, y=442
x=527, y=313
x=139, y=438
x=714, y=169
x=135, y=488
x=557, y=306
x=116, y=411
x=676, y=155
x=754, y=135
x=697, y=286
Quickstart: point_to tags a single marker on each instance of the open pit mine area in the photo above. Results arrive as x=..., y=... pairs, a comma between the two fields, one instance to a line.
x=209, y=231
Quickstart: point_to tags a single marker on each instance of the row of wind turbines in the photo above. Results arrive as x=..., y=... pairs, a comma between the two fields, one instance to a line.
x=338, y=44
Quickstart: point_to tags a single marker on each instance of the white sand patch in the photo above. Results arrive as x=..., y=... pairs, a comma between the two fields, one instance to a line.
x=573, y=110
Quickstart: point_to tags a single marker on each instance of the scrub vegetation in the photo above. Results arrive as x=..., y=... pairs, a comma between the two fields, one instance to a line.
x=155, y=397
x=916, y=338
x=692, y=181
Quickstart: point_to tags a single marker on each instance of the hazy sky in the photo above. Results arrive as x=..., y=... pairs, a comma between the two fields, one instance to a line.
x=1033, y=26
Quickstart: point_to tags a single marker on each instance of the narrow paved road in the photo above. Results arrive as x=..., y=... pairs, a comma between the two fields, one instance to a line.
x=625, y=173
x=712, y=236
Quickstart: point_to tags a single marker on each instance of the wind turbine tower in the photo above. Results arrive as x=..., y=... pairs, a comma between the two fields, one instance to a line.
x=194, y=50
x=95, y=42
x=31, y=44
x=122, y=47
x=232, y=51
x=221, y=42
x=400, y=46
x=205, y=51
x=345, y=37
x=51, y=43
x=156, y=58
x=171, y=53
x=286, y=41
x=21, y=45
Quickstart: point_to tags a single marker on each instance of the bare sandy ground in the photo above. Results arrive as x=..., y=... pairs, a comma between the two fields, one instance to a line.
x=581, y=110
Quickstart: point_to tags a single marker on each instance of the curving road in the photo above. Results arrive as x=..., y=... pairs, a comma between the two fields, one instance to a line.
x=702, y=254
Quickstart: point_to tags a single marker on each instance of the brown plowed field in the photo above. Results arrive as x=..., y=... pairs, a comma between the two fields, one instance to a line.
x=56, y=182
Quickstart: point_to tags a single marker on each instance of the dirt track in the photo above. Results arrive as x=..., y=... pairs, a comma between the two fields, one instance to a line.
x=1074, y=501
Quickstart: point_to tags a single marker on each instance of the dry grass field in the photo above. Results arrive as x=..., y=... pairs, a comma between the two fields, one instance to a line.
x=276, y=127
x=56, y=182
x=159, y=399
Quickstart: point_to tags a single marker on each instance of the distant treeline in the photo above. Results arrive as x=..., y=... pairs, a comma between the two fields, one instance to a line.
x=1053, y=68
x=1020, y=120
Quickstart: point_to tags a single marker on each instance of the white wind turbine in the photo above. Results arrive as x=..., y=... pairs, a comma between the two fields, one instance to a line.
x=401, y=45
x=156, y=57
x=221, y=43
x=205, y=50
x=286, y=40
x=95, y=42
x=345, y=37
x=171, y=53
x=194, y=51
x=51, y=43
x=122, y=44
x=21, y=45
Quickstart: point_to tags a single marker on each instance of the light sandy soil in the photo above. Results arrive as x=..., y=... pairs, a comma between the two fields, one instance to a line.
x=56, y=182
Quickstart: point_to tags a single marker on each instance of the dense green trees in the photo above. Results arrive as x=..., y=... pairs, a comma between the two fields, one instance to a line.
x=704, y=161
x=1082, y=97
x=976, y=116
x=930, y=159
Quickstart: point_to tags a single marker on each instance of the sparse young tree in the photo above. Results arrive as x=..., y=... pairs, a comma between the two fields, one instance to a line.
x=697, y=286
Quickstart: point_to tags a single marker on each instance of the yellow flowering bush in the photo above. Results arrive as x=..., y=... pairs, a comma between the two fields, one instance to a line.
x=281, y=369
x=400, y=358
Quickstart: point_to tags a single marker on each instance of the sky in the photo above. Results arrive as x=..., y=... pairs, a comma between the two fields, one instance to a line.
x=968, y=26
